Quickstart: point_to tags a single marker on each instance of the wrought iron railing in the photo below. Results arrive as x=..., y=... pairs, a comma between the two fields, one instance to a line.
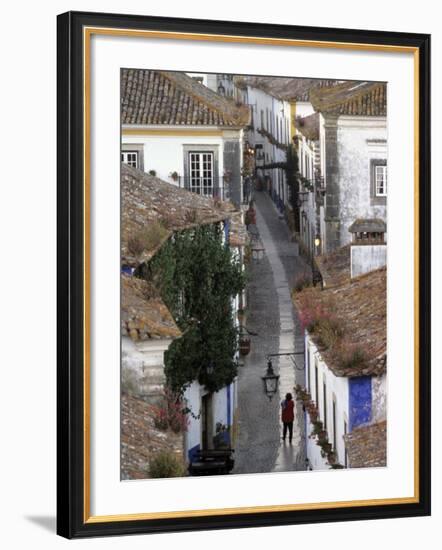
x=216, y=188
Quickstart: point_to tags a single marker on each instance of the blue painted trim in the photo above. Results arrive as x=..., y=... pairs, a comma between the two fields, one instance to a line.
x=192, y=452
x=126, y=270
x=227, y=230
x=359, y=401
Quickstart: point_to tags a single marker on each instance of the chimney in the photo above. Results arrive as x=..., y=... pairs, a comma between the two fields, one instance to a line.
x=368, y=247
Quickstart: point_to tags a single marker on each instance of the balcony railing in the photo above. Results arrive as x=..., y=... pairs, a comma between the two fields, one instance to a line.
x=217, y=188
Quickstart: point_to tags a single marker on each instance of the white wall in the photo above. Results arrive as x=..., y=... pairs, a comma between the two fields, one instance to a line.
x=165, y=154
x=336, y=390
x=366, y=258
x=304, y=108
x=276, y=113
x=192, y=397
x=306, y=158
x=142, y=365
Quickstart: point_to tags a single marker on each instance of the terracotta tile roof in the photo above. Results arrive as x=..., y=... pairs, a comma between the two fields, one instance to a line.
x=143, y=314
x=335, y=267
x=367, y=446
x=152, y=209
x=351, y=98
x=309, y=126
x=372, y=225
x=140, y=439
x=359, y=305
x=288, y=88
x=174, y=98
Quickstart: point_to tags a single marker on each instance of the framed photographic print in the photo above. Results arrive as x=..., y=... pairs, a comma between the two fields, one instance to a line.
x=243, y=274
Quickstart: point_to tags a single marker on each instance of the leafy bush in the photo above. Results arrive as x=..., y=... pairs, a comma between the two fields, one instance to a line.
x=166, y=464
x=170, y=413
x=197, y=277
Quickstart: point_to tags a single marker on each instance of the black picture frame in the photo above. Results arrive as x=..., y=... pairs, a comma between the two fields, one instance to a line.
x=71, y=498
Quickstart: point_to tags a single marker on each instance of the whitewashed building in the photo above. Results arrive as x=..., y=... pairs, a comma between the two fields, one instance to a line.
x=308, y=150
x=176, y=128
x=346, y=369
x=353, y=157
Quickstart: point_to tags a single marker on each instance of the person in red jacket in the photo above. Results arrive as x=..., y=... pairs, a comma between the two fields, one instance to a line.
x=288, y=416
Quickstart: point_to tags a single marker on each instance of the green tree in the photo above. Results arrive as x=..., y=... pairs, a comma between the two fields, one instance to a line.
x=197, y=276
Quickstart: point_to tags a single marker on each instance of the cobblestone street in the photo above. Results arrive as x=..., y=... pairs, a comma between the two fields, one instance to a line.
x=270, y=314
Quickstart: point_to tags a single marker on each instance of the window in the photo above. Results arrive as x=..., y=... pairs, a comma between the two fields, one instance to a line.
x=201, y=173
x=380, y=181
x=130, y=158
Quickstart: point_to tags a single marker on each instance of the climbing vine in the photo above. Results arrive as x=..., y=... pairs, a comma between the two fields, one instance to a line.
x=197, y=277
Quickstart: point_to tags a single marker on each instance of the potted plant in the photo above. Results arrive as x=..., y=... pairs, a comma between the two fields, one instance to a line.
x=152, y=173
x=174, y=176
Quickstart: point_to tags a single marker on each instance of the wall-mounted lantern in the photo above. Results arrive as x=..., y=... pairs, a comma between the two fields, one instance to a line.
x=270, y=380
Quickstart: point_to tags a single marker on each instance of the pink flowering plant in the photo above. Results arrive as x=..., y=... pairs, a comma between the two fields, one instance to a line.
x=170, y=412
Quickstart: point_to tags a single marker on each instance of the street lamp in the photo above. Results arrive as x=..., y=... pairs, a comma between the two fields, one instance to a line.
x=317, y=241
x=270, y=380
x=316, y=274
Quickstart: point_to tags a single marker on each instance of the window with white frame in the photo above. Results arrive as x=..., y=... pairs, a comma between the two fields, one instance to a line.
x=130, y=158
x=201, y=172
x=380, y=180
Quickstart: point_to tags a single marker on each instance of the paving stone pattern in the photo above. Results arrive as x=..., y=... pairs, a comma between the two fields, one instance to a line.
x=270, y=313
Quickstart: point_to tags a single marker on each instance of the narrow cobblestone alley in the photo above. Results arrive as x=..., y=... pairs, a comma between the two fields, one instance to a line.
x=270, y=314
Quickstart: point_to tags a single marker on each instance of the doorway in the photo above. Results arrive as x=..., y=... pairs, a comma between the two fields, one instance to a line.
x=207, y=421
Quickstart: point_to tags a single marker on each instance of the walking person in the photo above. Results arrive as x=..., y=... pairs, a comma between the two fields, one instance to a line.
x=287, y=416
